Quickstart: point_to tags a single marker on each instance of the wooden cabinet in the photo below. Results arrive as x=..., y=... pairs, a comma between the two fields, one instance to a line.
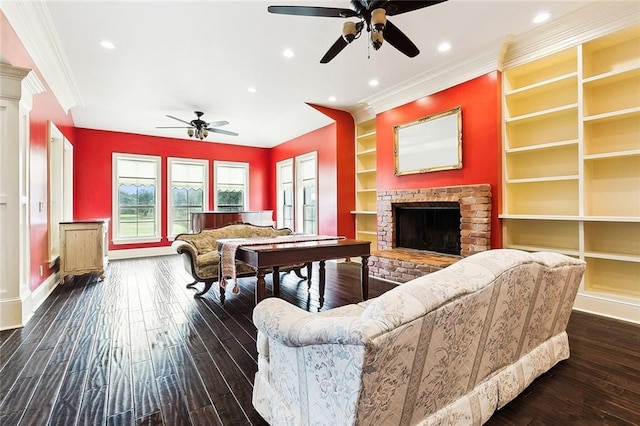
x=571, y=161
x=366, y=194
x=218, y=219
x=84, y=247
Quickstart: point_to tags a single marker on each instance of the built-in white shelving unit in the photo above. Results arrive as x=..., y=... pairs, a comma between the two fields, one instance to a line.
x=571, y=161
x=366, y=194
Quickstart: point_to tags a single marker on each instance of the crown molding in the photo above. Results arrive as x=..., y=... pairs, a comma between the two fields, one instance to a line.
x=587, y=23
x=435, y=80
x=32, y=22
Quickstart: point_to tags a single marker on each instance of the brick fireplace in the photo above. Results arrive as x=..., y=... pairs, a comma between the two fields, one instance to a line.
x=401, y=265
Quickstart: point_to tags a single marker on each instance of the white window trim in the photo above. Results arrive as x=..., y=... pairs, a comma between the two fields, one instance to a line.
x=205, y=199
x=299, y=188
x=217, y=164
x=279, y=200
x=114, y=197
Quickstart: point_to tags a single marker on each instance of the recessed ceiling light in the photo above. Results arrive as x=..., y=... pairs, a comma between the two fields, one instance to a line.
x=332, y=98
x=541, y=17
x=373, y=82
x=288, y=53
x=251, y=89
x=107, y=44
x=445, y=46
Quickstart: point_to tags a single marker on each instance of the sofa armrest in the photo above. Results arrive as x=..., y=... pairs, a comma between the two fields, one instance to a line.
x=183, y=247
x=292, y=326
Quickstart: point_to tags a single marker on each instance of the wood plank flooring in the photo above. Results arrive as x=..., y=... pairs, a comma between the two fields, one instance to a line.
x=138, y=349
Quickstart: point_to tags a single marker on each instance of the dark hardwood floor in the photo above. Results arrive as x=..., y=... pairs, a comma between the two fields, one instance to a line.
x=139, y=349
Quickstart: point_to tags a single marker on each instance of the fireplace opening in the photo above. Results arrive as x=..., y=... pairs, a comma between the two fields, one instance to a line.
x=432, y=226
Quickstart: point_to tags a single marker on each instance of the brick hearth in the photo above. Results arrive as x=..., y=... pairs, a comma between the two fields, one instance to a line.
x=401, y=265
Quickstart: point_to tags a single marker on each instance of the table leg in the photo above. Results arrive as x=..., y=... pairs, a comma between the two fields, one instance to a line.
x=276, y=281
x=321, y=276
x=309, y=269
x=261, y=288
x=364, y=277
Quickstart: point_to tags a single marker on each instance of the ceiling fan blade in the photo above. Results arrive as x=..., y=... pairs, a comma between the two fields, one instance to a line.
x=328, y=12
x=224, y=132
x=334, y=50
x=173, y=127
x=179, y=119
x=397, y=7
x=217, y=123
x=399, y=40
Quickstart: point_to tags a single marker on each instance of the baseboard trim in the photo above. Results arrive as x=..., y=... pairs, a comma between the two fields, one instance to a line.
x=602, y=305
x=142, y=252
x=16, y=313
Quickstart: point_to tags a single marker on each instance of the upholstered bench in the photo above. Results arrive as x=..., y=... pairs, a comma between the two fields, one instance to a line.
x=201, y=259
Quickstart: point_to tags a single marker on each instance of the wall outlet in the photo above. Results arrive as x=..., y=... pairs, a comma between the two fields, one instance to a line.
x=41, y=270
x=41, y=206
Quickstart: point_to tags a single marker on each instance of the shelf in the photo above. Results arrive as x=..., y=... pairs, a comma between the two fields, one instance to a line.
x=612, y=186
x=529, y=248
x=631, y=71
x=366, y=135
x=577, y=218
x=366, y=151
x=613, y=115
x=620, y=50
x=550, y=235
x=544, y=97
x=614, y=96
x=544, y=179
x=610, y=155
x=550, y=197
x=367, y=171
x=618, y=239
x=367, y=232
x=617, y=133
x=542, y=130
x=541, y=115
x=610, y=256
x=541, y=71
x=367, y=190
x=364, y=212
x=618, y=277
x=542, y=146
x=541, y=84
x=559, y=161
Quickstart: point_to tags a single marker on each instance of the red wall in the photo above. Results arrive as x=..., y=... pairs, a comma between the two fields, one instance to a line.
x=335, y=146
x=45, y=108
x=92, y=179
x=481, y=141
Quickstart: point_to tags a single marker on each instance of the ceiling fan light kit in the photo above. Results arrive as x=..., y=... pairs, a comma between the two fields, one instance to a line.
x=199, y=128
x=373, y=16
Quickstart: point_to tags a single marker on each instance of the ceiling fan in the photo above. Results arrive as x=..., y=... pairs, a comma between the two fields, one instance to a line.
x=373, y=16
x=200, y=128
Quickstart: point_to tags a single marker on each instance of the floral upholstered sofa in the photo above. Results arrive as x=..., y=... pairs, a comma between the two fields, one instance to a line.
x=200, y=252
x=450, y=347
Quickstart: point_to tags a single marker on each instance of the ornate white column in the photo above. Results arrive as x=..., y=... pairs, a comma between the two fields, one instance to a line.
x=17, y=87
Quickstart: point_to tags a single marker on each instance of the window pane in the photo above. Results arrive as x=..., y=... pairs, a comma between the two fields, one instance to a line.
x=137, y=187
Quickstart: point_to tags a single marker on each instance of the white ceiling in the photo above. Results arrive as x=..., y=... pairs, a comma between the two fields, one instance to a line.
x=174, y=57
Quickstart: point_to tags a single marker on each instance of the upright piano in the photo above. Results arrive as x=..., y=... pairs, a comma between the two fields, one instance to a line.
x=218, y=219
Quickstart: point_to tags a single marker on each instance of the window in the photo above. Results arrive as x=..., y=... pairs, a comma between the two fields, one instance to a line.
x=306, y=220
x=284, y=176
x=231, y=186
x=136, y=199
x=297, y=189
x=188, y=191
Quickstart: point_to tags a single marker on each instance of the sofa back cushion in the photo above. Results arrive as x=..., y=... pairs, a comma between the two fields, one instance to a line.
x=207, y=239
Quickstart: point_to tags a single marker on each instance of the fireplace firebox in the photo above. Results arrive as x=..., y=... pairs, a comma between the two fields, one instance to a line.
x=432, y=226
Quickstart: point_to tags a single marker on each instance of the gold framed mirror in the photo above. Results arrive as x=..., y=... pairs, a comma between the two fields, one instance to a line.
x=429, y=144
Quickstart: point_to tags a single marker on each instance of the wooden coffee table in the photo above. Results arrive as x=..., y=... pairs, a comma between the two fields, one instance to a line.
x=272, y=256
